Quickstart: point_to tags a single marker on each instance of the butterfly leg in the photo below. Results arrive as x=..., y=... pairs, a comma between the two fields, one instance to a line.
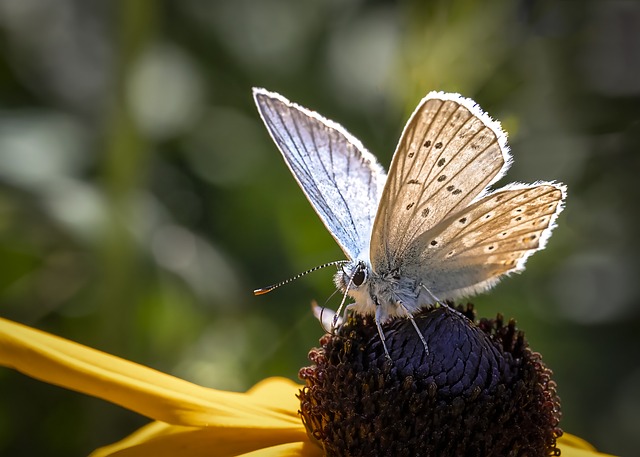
x=347, y=308
x=434, y=300
x=413, y=322
x=342, y=304
x=339, y=312
x=338, y=320
x=378, y=319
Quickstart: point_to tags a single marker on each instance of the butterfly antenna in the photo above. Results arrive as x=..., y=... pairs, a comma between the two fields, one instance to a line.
x=264, y=290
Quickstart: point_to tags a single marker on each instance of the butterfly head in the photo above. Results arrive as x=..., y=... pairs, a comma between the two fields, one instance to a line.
x=353, y=279
x=352, y=276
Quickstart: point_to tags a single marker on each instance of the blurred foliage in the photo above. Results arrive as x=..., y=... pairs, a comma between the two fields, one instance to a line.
x=142, y=200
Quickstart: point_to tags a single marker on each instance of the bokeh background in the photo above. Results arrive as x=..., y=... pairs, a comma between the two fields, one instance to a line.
x=141, y=199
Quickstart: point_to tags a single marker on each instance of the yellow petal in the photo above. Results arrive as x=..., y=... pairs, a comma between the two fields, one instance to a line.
x=164, y=440
x=136, y=439
x=280, y=392
x=161, y=439
x=572, y=446
x=302, y=449
x=138, y=388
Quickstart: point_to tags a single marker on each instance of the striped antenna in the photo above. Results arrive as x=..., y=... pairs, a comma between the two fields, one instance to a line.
x=264, y=290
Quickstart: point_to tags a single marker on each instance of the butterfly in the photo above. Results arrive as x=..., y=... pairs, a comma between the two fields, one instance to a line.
x=431, y=230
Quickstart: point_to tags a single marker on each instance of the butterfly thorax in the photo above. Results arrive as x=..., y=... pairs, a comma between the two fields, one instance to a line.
x=385, y=294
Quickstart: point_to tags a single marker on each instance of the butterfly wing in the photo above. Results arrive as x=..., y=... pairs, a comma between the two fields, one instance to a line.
x=448, y=154
x=341, y=179
x=468, y=252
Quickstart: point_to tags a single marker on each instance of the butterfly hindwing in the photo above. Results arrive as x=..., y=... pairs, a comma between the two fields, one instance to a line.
x=341, y=179
x=468, y=252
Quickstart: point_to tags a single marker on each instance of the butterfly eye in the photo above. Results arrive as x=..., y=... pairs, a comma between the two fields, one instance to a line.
x=359, y=277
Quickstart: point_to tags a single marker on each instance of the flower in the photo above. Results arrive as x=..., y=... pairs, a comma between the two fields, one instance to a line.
x=455, y=386
x=189, y=420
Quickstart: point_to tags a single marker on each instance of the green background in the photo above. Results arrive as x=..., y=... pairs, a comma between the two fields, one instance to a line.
x=141, y=199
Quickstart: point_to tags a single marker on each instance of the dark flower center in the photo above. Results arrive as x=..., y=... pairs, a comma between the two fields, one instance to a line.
x=480, y=391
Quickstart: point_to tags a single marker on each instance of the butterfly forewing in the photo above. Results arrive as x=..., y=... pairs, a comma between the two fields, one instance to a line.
x=341, y=179
x=469, y=251
x=449, y=152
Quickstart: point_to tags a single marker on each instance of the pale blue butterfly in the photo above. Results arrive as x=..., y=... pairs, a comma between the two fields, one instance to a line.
x=429, y=231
